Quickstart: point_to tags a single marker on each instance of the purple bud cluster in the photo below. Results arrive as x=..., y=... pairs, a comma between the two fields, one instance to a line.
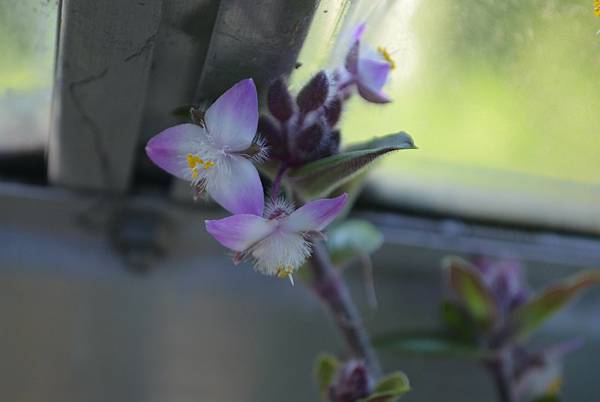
x=505, y=280
x=303, y=129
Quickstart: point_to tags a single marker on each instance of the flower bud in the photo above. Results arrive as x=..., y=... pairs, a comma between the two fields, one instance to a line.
x=273, y=136
x=352, y=383
x=309, y=139
x=280, y=101
x=314, y=94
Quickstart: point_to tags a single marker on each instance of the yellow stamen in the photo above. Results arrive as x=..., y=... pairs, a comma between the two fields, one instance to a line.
x=284, y=271
x=194, y=162
x=387, y=56
x=554, y=386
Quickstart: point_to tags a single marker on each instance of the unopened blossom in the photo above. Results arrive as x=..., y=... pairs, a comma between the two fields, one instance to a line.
x=302, y=130
x=216, y=155
x=279, y=241
x=366, y=67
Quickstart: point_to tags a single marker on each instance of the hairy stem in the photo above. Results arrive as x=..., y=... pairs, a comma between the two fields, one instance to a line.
x=500, y=371
x=277, y=181
x=333, y=291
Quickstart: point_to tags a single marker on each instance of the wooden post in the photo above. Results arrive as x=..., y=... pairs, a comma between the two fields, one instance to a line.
x=104, y=56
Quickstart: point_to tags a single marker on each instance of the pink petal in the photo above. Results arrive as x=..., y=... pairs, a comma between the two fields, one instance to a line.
x=352, y=58
x=316, y=215
x=239, y=232
x=373, y=74
x=371, y=96
x=169, y=148
x=236, y=186
x=233, y=118
x=359, y=31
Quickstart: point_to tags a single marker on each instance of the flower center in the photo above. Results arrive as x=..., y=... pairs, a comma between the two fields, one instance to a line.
x=387, y=56
x=284, y=271
x=195, y=163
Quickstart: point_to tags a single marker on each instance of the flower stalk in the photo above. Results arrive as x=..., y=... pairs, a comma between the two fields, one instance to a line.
x=501, y=374
x=333, y=292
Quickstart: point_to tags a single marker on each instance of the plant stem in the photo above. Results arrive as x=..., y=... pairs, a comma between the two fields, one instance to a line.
x=277, y=181
x=332, y=290
x=499, y=368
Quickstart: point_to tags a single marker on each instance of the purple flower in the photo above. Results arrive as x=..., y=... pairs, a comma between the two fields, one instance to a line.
x=367, y=68
x=279, y=243
x=505, y=280
x=352, y=383
x=215, y=156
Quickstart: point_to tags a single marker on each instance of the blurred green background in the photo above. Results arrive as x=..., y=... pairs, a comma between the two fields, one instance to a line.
x=502, y=98
x=27, y=44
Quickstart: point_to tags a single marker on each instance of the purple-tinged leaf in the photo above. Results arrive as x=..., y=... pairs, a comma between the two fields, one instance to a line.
x=318, y=179
x=468, y=287
x=279, y=101
x=535, y=312
x=314, y=94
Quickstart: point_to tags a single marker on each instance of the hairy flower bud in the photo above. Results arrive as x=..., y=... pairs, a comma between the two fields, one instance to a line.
x=309, y=139
x=273, y=136
x=279, y=100
x=314, y=94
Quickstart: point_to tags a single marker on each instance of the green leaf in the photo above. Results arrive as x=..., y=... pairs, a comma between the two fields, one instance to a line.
x=458, y=321
x=352, y=238
x=436, y=344
x=471, y=291
x=390, y=140
x=325, y=369
x=389, y=388
x=531, y=315
x=318, y=179
x=269, y=168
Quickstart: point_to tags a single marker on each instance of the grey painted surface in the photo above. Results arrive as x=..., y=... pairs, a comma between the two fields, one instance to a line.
x=78, y=325
x=104, y=55
x=251, y=39
x=179, y=54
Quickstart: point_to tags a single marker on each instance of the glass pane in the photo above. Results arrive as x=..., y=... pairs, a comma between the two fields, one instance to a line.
x=502, y=98
x=27, y=43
